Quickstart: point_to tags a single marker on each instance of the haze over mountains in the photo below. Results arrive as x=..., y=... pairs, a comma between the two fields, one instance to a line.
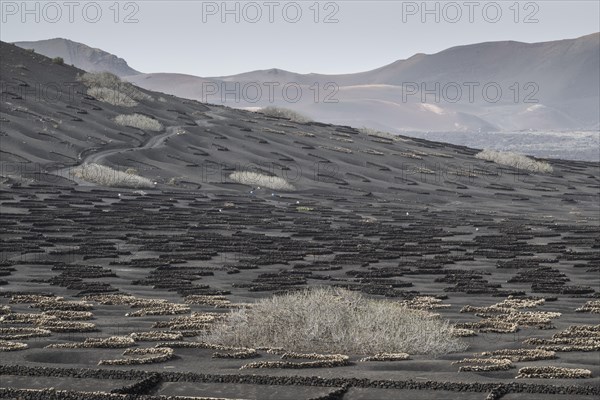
x=482, y=88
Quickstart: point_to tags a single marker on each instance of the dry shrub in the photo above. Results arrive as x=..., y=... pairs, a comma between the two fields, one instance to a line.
x=111, y=96
x=99, y=79
x=335, y=320
x=379, y=134
x=515, y=160
x=139, y=121
x=109, y=88
x=551, y=372
x=279, y=112
x=146, y=355
x=256, y=179
x=106, y=176
x=6, y=345
x=338, y=149
x=387, y=357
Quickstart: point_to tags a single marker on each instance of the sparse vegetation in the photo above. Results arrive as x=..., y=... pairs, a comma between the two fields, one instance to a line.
x=139, y=121
x=58, y=61
x=256, y=179
x=284, y=113
x=335, y=320
x=385, y=136
x=111, y=96
x=106, y=176
x=515, y=160
x=110, y=89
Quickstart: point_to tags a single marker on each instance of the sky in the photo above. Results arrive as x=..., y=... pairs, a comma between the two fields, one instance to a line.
x=215, y=38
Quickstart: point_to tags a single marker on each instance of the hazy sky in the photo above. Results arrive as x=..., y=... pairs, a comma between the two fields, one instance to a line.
x=200, y=38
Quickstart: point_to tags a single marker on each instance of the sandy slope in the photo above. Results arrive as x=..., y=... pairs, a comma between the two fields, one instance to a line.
x=391, y=218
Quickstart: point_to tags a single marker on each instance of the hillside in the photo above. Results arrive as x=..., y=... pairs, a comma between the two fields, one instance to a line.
x=315, y=157
x=112, y=285
x=486, y=87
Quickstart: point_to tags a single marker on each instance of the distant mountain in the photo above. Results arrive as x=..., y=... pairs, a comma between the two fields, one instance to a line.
x=494, y=86
x=81, y=56
x=487, y=87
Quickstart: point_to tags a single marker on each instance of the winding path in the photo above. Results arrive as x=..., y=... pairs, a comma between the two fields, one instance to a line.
x=152, y=143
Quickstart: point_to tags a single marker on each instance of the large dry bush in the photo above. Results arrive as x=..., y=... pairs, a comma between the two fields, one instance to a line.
x=106, y=176
x=256, y=179
x=515, y=160
x=333, y=320
x=284, y=113
x=139, y=121
x=111, y=96
x=110, y=89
